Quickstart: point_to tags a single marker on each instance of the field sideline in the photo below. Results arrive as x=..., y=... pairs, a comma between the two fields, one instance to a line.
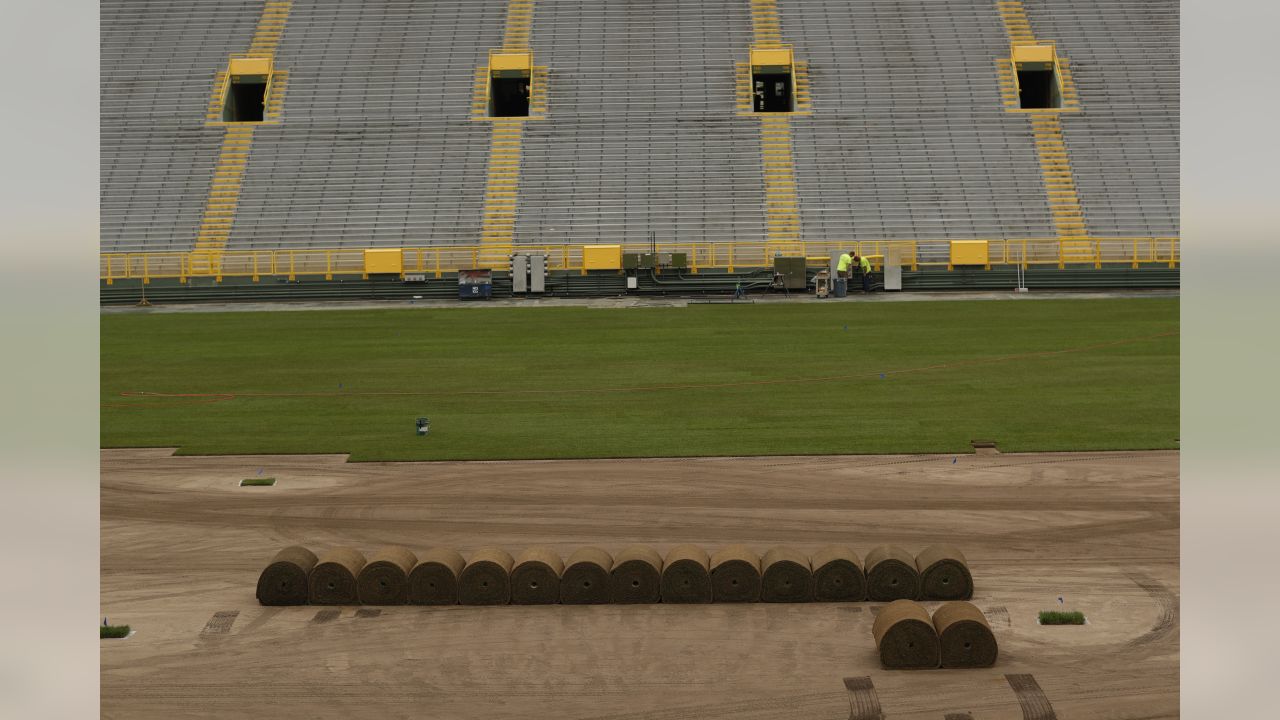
x=530, y=383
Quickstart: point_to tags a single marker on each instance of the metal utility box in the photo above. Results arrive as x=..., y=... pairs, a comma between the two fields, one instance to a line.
x=969, y=252
x=528, y=273
x=793, y=271
x=639, y=261
x=601, y=257
x=382, y=262
x=678, y=260
x=892, y=269
x=519, y=274
x=537, y=274
x=476, y=284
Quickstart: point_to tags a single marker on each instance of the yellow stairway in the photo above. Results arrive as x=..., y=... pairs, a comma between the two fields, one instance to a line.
x=1051, y=148
x=497, y=232
x=765, y=27
x=237, y=142
x=782, y=205
x=781, y=202
x=502, y=184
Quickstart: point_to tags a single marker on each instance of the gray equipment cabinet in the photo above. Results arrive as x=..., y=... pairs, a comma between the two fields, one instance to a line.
x=537, y=274
x=519, y=274
x=528, y=273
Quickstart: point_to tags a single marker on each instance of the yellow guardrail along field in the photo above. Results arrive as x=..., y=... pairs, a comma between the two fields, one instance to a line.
x=437, y=260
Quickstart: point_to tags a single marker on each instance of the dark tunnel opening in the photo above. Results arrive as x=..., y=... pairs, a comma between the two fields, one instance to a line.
x=772, y=91
x=245, y=100
x=509, y=96
x=1038, y=89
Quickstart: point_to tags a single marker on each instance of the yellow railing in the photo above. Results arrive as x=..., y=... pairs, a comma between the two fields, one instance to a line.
x=436, y=261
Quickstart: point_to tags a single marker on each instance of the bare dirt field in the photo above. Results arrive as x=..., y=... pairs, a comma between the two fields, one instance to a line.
x=182, y=546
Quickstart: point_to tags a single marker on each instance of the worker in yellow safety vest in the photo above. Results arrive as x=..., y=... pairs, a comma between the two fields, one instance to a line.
x=865, y=266
x=843, y=266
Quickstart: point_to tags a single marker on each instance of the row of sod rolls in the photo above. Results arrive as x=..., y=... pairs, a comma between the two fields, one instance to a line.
x=958, y=636
x=687, y=574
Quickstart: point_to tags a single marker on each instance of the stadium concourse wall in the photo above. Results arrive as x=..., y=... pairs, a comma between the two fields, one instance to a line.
x=375, y=143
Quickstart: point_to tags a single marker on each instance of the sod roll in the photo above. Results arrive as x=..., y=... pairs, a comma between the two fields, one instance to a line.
x=586, y=578
x=535, y=580
x=637, y=575
x=837, y=575
x=905, y=636
x=284, y=580
x=891, y=574
x=735, y=575
x=686, y=575
x=333, y=579
x=486, y=580
x=385, y=580
x=434, y=580
x=964, y=636
x=944, y=573
x=786, y=576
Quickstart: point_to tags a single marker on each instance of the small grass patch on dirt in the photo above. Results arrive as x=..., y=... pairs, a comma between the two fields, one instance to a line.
x=1057, y=617
x=257, y=482
x=113, y=632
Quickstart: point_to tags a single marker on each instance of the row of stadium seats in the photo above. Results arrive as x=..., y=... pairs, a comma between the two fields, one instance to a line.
x=907, y=139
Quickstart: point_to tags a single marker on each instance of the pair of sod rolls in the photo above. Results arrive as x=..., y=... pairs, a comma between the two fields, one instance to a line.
x=939, y=572
x=958, y=636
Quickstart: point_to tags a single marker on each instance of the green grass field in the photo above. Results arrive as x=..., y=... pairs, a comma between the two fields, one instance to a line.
x=588, y=382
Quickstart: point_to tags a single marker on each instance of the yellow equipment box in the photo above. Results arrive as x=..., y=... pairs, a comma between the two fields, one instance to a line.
x=249, y=66
x=602, y=257
x=1035, y=54
x=383, y=261
x=969, y=252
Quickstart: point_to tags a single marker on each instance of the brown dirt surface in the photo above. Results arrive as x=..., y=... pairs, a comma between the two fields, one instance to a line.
x=182, y=542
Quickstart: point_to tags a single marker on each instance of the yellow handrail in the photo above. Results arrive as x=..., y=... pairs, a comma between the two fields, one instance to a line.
x=730, y=256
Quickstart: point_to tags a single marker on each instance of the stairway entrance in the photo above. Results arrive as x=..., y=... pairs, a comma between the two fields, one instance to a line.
x=1038, y=87
x=772, y=92
x=509, y=96
x=246, y=99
